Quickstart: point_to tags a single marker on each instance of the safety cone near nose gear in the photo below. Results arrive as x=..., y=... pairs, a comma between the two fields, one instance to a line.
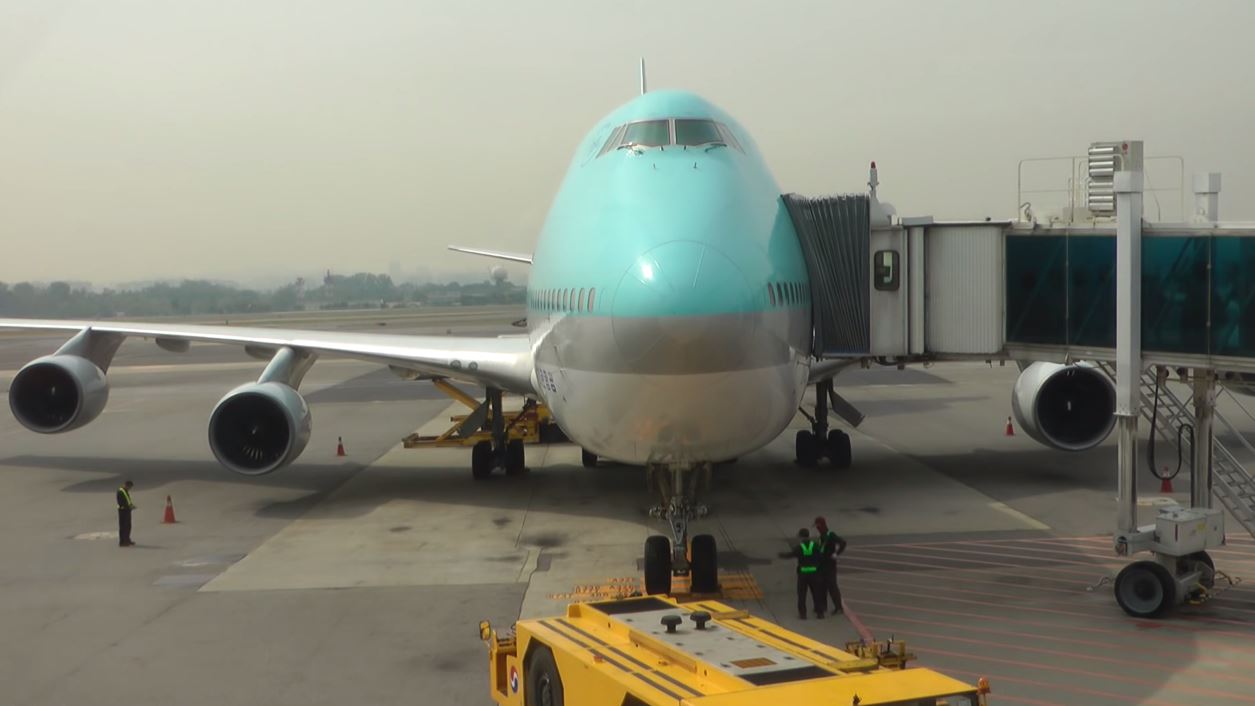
x=1010, y=429
x=340, y=446
x=169, y=516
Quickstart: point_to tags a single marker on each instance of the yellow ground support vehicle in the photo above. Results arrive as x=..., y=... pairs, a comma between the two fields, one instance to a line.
x=654, y=651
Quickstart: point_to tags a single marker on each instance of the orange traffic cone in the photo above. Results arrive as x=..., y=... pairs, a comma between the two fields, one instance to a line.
x=169, y=517
x=1165, y=485
x=1010, y=429
x=340, y=446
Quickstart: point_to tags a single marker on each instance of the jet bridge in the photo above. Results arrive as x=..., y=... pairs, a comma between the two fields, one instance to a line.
x=1102, y=289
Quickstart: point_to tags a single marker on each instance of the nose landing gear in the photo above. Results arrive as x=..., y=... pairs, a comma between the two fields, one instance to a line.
x=820, y=441
x=677, y=488
x=502, y=451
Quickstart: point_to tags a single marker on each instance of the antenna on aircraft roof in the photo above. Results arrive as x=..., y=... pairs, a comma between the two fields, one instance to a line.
x=643, y=88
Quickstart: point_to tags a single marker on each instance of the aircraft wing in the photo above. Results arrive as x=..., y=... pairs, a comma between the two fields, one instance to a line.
x=504, y=362
x=497, y=254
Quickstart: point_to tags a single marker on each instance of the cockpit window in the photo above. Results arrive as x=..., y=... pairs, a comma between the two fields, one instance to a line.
x=648, y=133
x=688, y=132
x=613, y=140
x=697, y=132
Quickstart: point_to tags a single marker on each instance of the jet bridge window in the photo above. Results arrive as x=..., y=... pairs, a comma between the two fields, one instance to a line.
x=885, y=270
x=692, y=132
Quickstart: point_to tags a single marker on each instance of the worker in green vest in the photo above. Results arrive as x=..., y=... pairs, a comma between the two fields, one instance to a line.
x=808, y=553
x=125, y=506
x=831, y=545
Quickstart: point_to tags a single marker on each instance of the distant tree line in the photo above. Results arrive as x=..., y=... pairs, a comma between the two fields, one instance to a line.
x=192, y=297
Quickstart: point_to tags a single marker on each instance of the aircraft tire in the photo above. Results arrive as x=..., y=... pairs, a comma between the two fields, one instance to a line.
x=1144, y=589
x=516, y=458
x=588, y=458
x=481, y=460
x=806, y=448
x=704, y=564
x=657, y=565
x=839, y=449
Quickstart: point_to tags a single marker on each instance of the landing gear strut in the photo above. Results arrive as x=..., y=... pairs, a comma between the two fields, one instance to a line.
x=677, y=487
x=820, y=441
x=501, y=452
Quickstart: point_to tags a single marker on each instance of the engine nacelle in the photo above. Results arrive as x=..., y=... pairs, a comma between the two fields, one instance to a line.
x=1068, y=407
x=259, y=428
x=58, y=393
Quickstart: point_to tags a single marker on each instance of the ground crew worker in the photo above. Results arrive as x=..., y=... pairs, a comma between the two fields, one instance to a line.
x=831, y=545
x=124, y=514
x=807, y=552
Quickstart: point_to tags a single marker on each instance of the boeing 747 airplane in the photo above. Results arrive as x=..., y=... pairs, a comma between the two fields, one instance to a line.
x=669, y=324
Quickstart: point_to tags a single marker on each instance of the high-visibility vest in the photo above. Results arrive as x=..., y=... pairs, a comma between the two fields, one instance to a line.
x=127, y=496
x=806, y=565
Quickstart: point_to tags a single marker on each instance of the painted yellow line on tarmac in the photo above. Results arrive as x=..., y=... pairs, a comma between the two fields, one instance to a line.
x=1012, y=512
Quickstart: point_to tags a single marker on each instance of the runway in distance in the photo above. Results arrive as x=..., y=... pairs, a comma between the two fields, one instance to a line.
x=669, y=325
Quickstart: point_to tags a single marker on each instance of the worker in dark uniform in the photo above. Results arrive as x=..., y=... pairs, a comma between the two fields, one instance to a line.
x=807, y=552
x=831, y=545
x=125, y=506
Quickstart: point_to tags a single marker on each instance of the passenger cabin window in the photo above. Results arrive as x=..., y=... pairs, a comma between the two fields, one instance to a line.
x=693, y=133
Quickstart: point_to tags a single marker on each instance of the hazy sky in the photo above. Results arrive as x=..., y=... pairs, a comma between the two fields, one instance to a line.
x=226, y=138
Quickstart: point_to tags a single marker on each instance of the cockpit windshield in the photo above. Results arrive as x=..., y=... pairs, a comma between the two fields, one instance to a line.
x=684, y=132
x=697, y=132
x=648, y=133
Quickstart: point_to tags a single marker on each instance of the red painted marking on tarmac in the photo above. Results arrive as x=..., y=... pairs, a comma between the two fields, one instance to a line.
x=1175, y=642
x=995, y=679
x=967, y=626
x=1098, y=675
x=1135, y=664
x=1178, y=624
x=864, y=634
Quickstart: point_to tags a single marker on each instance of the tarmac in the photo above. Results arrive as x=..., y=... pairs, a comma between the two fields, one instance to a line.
x=361, y=579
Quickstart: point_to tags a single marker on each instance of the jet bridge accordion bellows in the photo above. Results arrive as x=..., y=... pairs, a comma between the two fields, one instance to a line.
x=835, y=233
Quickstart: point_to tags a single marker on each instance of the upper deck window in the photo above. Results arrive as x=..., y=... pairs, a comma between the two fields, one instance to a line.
x=692, y=132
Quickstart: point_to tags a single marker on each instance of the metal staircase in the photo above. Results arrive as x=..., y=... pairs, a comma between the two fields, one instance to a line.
x=1232, y=483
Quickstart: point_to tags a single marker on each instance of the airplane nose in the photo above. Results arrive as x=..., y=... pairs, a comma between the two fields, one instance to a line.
x=683, y=304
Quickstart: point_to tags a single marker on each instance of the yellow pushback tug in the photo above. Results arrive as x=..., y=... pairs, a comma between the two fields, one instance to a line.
x=654, y=650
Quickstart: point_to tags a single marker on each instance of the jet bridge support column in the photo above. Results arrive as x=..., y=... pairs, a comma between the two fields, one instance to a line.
x=1204, y=412
x=1128, y=187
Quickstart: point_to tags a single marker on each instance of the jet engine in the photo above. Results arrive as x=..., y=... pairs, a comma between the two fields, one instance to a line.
x=58, y=393
x=1068, y=407
x=259, y=428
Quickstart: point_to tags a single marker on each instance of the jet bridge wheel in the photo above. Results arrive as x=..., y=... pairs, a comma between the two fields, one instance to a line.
x=1144, y=589
x=657, y=565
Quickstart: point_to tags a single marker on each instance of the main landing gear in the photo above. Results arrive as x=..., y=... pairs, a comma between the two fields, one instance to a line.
x=820, y=441
x=677, y=488
x=502, y=451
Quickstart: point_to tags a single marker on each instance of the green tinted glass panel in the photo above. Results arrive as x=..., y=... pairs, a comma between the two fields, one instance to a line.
x=1036, y=298
x=1233, y=296
x=1092, y=291
x=1174, y=294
